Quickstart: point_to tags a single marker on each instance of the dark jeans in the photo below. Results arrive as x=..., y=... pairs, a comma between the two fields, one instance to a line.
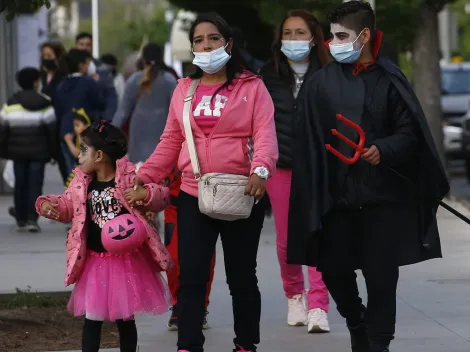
x=366, y=239
x=29, y=179
x=62, y=164
x=197, y=237
x=70, y=160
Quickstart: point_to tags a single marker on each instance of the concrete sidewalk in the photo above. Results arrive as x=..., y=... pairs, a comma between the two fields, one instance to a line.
x=433, y=304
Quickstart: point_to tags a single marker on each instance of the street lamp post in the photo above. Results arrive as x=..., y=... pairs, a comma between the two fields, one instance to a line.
x=95, y=28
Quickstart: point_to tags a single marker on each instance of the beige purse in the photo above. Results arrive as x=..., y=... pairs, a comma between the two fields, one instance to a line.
x=221, y=196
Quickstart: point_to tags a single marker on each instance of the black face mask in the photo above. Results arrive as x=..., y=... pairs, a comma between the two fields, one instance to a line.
x=49, y=64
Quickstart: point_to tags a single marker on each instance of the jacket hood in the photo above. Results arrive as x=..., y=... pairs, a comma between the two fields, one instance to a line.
x=30, y=100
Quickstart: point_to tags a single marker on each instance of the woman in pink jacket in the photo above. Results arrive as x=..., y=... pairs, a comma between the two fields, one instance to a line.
x=109, y=286
x=233, y=127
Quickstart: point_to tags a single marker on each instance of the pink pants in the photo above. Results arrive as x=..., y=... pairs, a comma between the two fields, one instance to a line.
x=278, y=188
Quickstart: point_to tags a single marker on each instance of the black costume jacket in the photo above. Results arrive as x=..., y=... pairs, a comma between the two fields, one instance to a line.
x=319, y=178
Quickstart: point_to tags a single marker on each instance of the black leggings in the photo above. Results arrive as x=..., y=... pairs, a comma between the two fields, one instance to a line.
x=91, y=336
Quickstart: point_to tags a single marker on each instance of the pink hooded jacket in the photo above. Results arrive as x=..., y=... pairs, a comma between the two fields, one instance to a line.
x=243, y=138
x=72, y=208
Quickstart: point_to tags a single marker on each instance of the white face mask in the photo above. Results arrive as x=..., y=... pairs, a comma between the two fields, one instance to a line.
x=211, y=62
x=296, y=50
x=91, y=68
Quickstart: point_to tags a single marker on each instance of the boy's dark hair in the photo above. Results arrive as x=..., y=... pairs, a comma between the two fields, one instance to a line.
x=109, y=59
x=26, y=77
x=75, y=57
x=101, y=135
x=83, y=35
x=354, y=14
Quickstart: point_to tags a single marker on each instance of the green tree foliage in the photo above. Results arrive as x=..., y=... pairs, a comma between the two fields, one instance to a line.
x=15, y=7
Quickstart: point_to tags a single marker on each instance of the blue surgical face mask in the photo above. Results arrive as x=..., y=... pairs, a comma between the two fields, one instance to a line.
x=296, y=50
x=345, y=53
x=211, y=62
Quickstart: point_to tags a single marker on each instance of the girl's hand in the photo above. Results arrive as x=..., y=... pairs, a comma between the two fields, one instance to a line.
x=136, y=195
x=68, y=137
x=49, y=210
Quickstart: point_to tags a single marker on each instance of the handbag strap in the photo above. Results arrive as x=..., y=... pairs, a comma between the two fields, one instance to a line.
x=188, y=131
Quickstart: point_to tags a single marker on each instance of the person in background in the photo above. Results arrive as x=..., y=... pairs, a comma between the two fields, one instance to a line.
x=27, y=136
x=253, y=63
x=84, y=41
x=80, y=123
x=145, y=104
x=52, y=72
x=112, y=62
x=77, y=90
x=298, y=52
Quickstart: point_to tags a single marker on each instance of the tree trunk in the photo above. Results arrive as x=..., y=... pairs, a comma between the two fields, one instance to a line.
x=427, y=73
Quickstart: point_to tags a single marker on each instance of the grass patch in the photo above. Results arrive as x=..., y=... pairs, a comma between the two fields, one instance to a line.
x=29, y=299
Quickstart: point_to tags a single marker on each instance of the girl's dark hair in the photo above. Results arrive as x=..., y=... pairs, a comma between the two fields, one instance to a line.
x=81, y=115
x=101, y=135
x=236, y=64
x=60, y=53
x=319, y=49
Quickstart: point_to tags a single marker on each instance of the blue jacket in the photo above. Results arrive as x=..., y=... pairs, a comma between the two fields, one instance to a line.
x=106, y=83
x=77, y=91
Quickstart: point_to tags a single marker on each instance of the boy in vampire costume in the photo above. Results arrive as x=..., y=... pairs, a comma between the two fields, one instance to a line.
x=363, y=216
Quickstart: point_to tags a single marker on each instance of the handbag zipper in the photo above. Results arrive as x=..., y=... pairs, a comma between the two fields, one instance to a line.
x=223, y=183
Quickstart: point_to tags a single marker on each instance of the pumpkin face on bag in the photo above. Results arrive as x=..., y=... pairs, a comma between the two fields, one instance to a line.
x=123, y=234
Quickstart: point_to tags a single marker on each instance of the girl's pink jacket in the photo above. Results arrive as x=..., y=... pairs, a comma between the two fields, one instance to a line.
x=72, y=207
x=243, y=138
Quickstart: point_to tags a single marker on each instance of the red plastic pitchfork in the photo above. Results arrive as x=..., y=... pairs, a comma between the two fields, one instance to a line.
x=359, y=150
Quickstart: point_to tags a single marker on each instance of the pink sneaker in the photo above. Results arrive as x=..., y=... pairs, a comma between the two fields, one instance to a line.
x=241, y=349
x=183, y=351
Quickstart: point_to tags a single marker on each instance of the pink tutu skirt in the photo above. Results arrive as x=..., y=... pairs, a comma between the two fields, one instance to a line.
x=119, y=286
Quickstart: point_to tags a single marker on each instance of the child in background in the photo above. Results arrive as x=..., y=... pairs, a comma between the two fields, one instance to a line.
x=109, y=286
x=27, y=136
x=80, y=123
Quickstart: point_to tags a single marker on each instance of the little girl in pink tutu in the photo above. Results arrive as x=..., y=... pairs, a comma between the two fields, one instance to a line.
x=109, y=286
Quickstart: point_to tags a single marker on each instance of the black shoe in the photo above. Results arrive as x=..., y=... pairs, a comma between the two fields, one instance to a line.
x=379, y=348
x=21, y=226
x=12, y=212
x=359, y=335
x=33, y=227
x=173, y=322
x=205, y=324
x=359, y=338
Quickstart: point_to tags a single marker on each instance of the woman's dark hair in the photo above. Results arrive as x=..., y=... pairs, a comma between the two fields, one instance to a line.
x=153, y=65
x=319, y=50
x=101, y=135
x=75, y=57
x=152, y=56
x=236, y=64
x=60, y=54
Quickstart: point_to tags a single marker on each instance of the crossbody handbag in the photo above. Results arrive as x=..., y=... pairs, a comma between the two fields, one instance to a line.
x=220, y=196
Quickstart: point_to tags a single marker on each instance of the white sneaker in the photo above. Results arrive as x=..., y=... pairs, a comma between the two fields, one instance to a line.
x=317, y=321
x=297, y=314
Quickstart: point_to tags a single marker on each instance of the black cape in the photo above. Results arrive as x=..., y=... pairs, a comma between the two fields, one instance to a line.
x=316, y=172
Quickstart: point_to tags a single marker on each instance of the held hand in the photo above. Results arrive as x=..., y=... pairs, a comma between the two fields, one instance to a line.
x=372, y=155
x=49, y=210
x=138, y=181
x=136, y=195
x=96, y=77
x=256, y=187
